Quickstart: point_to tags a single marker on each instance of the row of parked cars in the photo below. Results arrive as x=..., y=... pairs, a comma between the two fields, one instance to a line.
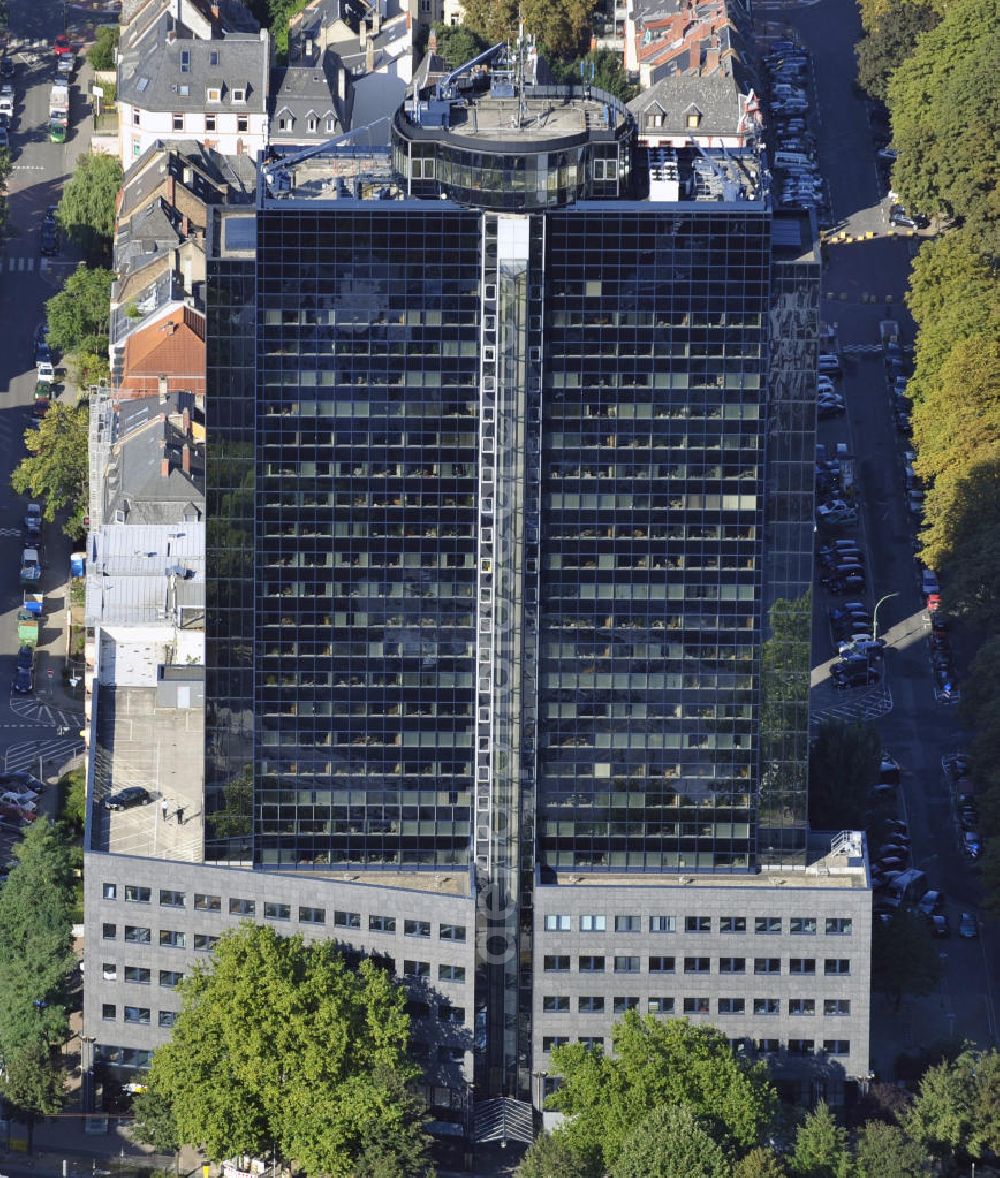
x=798, y=182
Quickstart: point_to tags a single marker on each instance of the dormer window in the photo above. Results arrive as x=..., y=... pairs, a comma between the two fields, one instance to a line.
x=213, y=57
x=239, y=94
x=312, y=123
x=213, y=93
x=331, y=123
x=654, y=119
x=693, y=117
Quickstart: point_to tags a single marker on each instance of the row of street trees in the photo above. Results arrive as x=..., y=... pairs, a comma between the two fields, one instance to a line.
x=55, y=469
x=933, y=64
x=674, y=1102
x=36, y=972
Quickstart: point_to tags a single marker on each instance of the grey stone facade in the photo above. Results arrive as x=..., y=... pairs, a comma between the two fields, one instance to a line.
x=793, y=947
x=149, y=919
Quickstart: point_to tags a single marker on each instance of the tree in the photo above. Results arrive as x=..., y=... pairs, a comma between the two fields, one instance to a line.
x=56, y=466
x=552, y=1156
x=101, y=54
x=280, y=14
x=884, y=1151
x=882, y=50
x=87, y=208
x=73, y=792
x=602, y=67
x=942, y=100
x=282, y=1046
x=153, y=1121
x=559, y=25
x=656, y=1063
x=79, y=314
x=904, y=958
x=760, y=1163
x=957, y=1108
x=821, y=1146
x=670, y=1143
x=36, y=963
x=458, y=44
x=5, y=168
x=843, y=766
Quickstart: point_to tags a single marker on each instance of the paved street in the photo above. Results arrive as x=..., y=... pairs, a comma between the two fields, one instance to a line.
x=39, y=730
x=864, y=282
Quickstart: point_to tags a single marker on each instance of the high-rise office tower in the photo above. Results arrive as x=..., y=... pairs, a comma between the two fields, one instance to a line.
x=509, y=514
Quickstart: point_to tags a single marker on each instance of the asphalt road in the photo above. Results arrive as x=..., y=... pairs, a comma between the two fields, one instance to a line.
x=864, y=283
x=41, y=730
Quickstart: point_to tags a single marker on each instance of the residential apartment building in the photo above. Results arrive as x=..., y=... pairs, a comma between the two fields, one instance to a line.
x=192, y=71
x=510, y=437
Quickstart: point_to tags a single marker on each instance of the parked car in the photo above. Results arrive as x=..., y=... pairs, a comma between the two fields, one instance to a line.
x=939, y=925
x=929, y=582
x=968, y=926
x=45, y=372
x=6, y=67
x=972, y=844
x=13, y=798
x=31, y=566
x=930, y=902
x=43, y=353
x=50, y=238
x=33, y=519
x=24, y=677
x=61, y=45
x=126, y=799
x=847, y=675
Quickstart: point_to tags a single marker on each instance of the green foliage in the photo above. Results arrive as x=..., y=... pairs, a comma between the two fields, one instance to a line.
x=904, y=958
x=843, y=766
x=5, y=168
x=78, y=315
x=552, y=1156
x=943, y=100
x=882, y=50
x=957, y=1108
x=56, y=466
x=670, y=1143
x=658, y=1062
x=608, y=68
x=561, y=26
x=884, y=1151
x=101, y=54
x=282, y=1045
x=87, y=208
x=36, y=962
x=458, y=44
x=73, y=800
x=280, y=14
x=760, y=1163
x=821, y=1146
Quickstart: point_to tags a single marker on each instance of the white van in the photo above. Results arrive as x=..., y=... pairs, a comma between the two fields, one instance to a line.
x=792, y=159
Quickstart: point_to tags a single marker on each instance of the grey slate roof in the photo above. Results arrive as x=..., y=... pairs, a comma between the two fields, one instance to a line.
x=158, y=73
x=215, y=178
x=303, y=91
x=716, y=96
x=136, y=485
x=149, y=235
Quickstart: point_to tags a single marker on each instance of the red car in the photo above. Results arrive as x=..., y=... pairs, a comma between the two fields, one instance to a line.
x=61, y=45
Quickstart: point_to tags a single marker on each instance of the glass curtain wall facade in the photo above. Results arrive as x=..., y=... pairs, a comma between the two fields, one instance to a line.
x=365, y=536
x=653, y=460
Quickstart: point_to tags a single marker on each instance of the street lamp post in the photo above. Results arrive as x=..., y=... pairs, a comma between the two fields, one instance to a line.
x=875, y=612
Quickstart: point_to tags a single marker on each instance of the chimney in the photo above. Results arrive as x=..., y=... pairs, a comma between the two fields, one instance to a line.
x=165, y=464
x=186, y=422
x=362, y=34
x=712, y=56
x=172, y=191
x=432, y=42
x=309, y=50
x=186, y=459
x=214, y=10
x=342, y=85
x=185, y=225
x=370, y=57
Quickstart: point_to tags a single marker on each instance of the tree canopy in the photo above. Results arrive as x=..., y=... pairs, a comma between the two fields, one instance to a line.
x=904, y=958
x=943, y=101
x=36, y=964
x=55, y=468
x=101, y=54
x=658, y=1062
x=843, y=767
x=670, y=1143
x=87, y=208
x=458, y=44
x=821, y=1147
x=282, y=1045
x=78, y=315
x=884, y=1151
x=560, y=25
x=890, y=42
x=957, y=1107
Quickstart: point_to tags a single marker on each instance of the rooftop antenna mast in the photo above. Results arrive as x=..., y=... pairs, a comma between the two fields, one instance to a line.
x=521, y=105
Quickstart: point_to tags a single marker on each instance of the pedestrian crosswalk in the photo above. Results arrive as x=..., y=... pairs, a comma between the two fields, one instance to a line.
x=20, y=265
x=861, y=349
